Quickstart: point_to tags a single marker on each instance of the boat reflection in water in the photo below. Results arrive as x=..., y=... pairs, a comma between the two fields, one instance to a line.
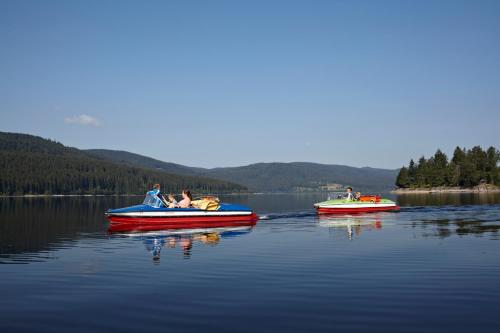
x=354, y=224
x=159, y=238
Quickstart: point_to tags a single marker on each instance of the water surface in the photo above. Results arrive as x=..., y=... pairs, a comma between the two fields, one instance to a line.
x=434, y=266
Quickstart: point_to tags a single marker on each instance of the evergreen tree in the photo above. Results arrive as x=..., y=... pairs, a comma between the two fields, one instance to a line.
x=492, y=170
x=422, y=172
x=457, y=164
x=402, y=180
x=412, y=172
x=440, y=174
x=467, y=168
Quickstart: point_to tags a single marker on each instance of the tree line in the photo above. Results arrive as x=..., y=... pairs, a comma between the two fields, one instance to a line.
x=32, y=173
x=33, y=165
x=467, y=168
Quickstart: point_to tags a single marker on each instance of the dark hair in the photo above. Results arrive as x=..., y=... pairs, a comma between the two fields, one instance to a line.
x=349, y=188
x=188, y=193
x=156, y=186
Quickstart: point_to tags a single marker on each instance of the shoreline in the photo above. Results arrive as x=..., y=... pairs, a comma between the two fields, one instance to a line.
x=446, y=190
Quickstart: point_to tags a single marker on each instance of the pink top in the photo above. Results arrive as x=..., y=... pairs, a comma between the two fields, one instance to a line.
x=184, y=203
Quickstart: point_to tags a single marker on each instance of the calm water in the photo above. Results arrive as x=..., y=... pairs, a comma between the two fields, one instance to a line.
x=434, y=266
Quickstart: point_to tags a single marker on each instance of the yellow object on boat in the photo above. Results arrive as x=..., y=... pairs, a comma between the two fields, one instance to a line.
x=206, y=203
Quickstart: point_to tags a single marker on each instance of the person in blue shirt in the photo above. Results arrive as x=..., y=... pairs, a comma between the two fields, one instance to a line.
x=155, y=193
x=155, y=190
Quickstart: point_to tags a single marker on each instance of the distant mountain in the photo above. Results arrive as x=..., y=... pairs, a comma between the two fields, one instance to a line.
x=33, y=165
x=272, y=177
x=125, y=157
x=304, y=176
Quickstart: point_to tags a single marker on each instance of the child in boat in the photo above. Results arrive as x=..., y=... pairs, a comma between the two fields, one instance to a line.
x=357, y=196
x=348, y=195
x=186, y=200
x=171, y=201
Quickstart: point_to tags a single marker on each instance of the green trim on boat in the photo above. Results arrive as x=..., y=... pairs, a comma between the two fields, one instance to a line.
x=353, y=202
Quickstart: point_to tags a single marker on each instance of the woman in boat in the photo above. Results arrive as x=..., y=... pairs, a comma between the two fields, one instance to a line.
x=186, y=199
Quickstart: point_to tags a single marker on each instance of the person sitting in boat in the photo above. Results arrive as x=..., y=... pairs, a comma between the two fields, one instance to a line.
x=186, y=200
x=348, y=195
x=171, y=201
x=155, y=193
x=357, y=196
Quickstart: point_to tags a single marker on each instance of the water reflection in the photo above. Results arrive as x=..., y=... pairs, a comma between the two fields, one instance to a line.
x=155, y=242
x=352, y=225
x=443, y=222
x=457, y=199
x=31, y=229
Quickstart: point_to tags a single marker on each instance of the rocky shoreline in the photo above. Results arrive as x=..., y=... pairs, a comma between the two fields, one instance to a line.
x=425, y=190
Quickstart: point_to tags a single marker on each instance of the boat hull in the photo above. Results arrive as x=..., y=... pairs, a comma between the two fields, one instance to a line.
x=215, y=219
x=178, y=218
x=147, y=225
x=185, y=221
x=355, y=210
x=343, y=206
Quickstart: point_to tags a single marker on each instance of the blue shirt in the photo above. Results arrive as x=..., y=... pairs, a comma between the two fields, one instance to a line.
x=154, y=193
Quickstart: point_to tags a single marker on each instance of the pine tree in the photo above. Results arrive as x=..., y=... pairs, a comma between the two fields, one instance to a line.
x=467, y=168
x=492, y=170
x=422, y=172
x=457, y=163
x=440, y=168
x=402, y=180
x=412, y=172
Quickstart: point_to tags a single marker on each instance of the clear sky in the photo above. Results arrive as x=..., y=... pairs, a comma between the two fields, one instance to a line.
x=226, y=83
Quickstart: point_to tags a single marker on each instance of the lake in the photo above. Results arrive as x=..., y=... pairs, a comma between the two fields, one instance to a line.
x=433, y=266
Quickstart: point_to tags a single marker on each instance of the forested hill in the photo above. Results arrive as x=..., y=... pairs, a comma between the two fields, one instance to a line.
x=272, y=177
x=467, y=168
x=125, y=157
x=33, y=165
x=305, y=176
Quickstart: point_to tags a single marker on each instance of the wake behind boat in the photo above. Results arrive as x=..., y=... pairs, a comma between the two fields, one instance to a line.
x=365, y=204
x=210, y=213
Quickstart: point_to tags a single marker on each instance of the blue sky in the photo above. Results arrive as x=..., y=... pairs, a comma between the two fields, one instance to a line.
x=226, y=83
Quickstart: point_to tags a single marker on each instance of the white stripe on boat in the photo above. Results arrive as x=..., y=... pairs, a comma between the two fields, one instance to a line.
x=370, y=205
x=182, y=214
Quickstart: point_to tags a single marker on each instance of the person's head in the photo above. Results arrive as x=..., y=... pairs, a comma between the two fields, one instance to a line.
x=187, y=194
x=157, y=186
x=349, y=189
x=358, y=194
x=171, y=197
